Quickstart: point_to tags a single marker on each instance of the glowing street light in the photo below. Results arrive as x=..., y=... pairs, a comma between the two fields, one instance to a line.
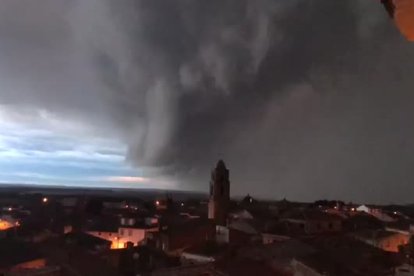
x=45, y=200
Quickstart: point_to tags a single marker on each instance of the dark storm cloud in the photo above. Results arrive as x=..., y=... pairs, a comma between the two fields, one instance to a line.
x=303, y=99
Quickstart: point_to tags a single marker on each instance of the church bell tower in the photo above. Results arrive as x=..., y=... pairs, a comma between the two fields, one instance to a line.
x=219, y=194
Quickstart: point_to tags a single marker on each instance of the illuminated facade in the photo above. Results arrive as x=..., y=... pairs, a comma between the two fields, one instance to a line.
x=7, y=222
x=129, y=230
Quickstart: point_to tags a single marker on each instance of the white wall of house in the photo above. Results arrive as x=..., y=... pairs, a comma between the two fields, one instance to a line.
x=134, y=235
x=364, y=208
x=123, y=236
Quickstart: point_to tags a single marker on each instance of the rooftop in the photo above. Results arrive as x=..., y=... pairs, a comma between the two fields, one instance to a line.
x=347, y=252
x=283, y=251
x=312, y=215
x=374, y=234
x=13, y=253
x=86, y=240
x=246, y=267
x=208, y=248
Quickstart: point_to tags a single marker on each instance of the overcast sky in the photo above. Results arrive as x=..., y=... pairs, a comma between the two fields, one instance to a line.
x=303, y=99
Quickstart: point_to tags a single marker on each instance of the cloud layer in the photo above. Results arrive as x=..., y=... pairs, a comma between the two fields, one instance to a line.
x=303, y=99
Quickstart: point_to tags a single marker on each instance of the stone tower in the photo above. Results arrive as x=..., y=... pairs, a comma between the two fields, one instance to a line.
x=219, y=194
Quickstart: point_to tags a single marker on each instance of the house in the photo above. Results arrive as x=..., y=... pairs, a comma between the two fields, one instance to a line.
x=277, y=232
x=253, y=222
x=401, y=226
x=247, y=227
x=120, y=233
x=385, y=240
x=278, y=255
x=8, y=222
x=344, y=256
x=136, y=260
x=241, y=214
x=376, y=212
x=302, y=268
x=175, y=238
x=364, y=208
x=228, y=235
x=245, y=267
x=314, y=222
x=362, y=220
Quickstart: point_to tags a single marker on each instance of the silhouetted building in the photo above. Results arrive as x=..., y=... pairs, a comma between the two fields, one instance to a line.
x=385, y=240
x=219, y=194
x=178, y=237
